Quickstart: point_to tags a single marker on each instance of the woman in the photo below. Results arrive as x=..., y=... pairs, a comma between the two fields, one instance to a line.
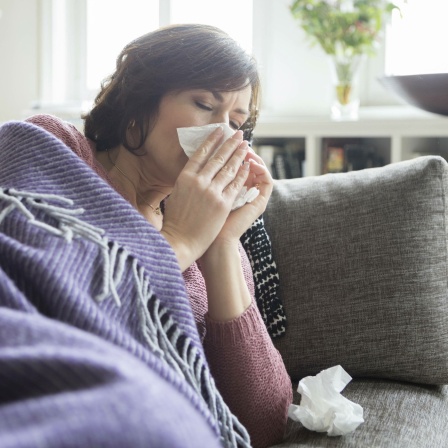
x=182, y=76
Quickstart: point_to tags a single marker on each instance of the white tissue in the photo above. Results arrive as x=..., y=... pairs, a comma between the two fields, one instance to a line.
x=192, y=137
x=322, y=407
x=245, y=196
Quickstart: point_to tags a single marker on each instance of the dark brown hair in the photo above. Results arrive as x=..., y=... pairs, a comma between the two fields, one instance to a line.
x=173, y=58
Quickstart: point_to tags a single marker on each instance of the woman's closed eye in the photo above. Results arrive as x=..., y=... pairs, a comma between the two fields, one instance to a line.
x=204, y=106
x=208, y=108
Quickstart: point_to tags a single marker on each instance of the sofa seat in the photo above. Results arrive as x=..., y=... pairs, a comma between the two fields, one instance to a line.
x=396, y=414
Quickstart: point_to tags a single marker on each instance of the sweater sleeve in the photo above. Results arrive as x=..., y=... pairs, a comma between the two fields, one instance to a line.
x=73, y=138
x=250, y=374
x=67, y=133
x=76, y=141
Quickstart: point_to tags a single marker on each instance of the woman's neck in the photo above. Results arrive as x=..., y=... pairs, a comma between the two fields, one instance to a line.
x=124, y=170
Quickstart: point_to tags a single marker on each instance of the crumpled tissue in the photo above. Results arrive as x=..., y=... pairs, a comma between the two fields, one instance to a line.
x=322, y=407
x=191, y=138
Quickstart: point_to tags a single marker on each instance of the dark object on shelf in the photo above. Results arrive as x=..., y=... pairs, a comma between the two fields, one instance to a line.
x=280, y=168
x=294, y=159
x=360, y=157
x=287, y=164
x=356, y=157
x=341, y=156
x=426, y=91
x=285, y=158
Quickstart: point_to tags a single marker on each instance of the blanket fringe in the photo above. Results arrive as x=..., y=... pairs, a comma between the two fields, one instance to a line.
x=159, y=330
x=163, y=334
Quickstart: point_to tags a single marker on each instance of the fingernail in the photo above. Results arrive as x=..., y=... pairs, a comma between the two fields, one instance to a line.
x=219, y=131
x=244, y=145
x=238, y=135
x=246, y=166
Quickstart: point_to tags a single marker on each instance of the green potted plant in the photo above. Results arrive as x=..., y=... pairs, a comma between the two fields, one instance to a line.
x=346, y=30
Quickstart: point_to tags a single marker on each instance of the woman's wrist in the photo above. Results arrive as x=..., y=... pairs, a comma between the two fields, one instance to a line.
x=219, y=251
x=183, y=251
x=227, y=291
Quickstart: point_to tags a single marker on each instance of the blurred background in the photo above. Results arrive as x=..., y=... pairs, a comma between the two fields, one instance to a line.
x=54, y=53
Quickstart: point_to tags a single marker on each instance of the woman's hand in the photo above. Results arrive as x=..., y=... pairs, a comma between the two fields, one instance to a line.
x=203, y=195
x=227, y=291
x=241, y=219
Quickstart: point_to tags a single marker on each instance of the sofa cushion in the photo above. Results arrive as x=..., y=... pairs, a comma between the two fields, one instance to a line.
x=362, y=258
x=398, y=415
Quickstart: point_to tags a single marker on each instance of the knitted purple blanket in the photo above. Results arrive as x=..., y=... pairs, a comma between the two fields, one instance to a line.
x=98, y=345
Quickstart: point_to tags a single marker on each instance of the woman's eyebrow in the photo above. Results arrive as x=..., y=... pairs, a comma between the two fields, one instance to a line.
x=220, y=98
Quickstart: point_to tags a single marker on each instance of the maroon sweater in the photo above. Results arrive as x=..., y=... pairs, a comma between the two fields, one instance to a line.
x=248, y=370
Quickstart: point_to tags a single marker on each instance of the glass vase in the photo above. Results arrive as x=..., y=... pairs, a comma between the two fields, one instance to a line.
x=345, y=78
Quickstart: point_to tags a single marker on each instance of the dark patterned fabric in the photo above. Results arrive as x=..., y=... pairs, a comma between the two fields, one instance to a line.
x=257, y=245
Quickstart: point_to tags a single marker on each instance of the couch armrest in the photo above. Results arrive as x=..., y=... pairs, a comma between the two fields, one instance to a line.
x=362, y=258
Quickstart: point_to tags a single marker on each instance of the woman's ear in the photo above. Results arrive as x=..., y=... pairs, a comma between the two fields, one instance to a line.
x=133, y=134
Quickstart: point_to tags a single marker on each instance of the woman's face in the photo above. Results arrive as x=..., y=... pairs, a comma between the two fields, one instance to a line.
x=187, y=108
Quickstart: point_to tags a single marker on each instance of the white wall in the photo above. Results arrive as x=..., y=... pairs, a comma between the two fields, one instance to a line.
x=296, y=78
x=19, y=61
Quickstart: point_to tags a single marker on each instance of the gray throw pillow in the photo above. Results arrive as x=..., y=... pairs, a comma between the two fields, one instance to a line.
x=362, y=258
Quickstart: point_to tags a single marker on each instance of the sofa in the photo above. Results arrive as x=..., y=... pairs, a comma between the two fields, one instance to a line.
x=363, y=264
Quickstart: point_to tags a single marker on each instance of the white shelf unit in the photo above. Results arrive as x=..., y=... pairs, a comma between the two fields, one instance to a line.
x=397, y=133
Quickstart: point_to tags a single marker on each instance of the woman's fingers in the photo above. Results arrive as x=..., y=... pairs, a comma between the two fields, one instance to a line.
x=207, y=163
x=206, y=151
x=221, y=173
x=261, y=178
x=226, y=160
x=201, y=156
x=234, y=187
x=225, y=172
x=251, y=154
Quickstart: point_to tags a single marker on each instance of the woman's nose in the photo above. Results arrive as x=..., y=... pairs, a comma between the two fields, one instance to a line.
x=221, y=118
